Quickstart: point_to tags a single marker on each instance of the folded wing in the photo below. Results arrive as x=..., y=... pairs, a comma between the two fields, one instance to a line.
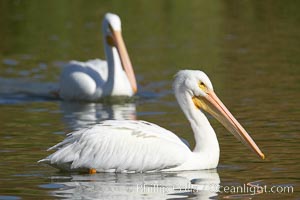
x=120, y=145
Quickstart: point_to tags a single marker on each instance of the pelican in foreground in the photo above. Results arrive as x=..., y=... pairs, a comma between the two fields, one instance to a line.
x=95, y=79
x=139, y=146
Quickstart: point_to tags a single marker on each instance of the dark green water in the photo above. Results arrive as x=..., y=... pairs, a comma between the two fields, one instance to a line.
x=249, y=49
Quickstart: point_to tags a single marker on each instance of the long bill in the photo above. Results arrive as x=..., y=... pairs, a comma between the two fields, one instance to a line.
x=125, y=60
x=213, y=105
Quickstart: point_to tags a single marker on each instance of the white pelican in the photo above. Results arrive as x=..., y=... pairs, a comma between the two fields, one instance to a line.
x=139, y=146
x=97, y=78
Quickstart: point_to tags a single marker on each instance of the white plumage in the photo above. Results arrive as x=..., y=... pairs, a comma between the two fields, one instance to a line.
x=139, y=146
x=121, y=146
x=95, y=79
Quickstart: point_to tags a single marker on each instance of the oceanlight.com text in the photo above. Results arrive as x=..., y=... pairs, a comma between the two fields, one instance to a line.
x=216, y=188
x=253, y=189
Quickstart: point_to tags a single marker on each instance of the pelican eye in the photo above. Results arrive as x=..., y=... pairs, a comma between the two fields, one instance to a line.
x=202, y=86
x=110, y=28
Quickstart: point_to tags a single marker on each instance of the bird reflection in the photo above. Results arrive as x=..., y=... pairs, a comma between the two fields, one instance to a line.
x=201, y=184
x=79, y=115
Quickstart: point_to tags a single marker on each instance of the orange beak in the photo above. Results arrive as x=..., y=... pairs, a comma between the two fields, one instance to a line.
x=125, y=60
x=213, y=105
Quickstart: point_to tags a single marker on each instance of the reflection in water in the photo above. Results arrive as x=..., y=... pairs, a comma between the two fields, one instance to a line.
x=79, y=115
x=76, y=114
x=202, y=184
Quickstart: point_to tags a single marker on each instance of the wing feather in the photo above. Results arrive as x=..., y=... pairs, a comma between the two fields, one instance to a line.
x=120, y=145
x=83, y=80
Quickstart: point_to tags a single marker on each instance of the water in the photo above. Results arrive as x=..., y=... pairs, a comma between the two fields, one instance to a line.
x=250, y=50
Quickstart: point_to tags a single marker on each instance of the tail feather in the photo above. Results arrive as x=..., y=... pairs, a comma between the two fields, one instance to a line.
x=45, y=160
x=71, y=138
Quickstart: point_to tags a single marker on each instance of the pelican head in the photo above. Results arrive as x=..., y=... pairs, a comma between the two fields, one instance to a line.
x=113, y=38
x=197, y=88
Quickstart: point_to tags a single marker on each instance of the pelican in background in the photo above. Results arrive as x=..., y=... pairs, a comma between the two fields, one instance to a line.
x=139, y=146
x=97, y=78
